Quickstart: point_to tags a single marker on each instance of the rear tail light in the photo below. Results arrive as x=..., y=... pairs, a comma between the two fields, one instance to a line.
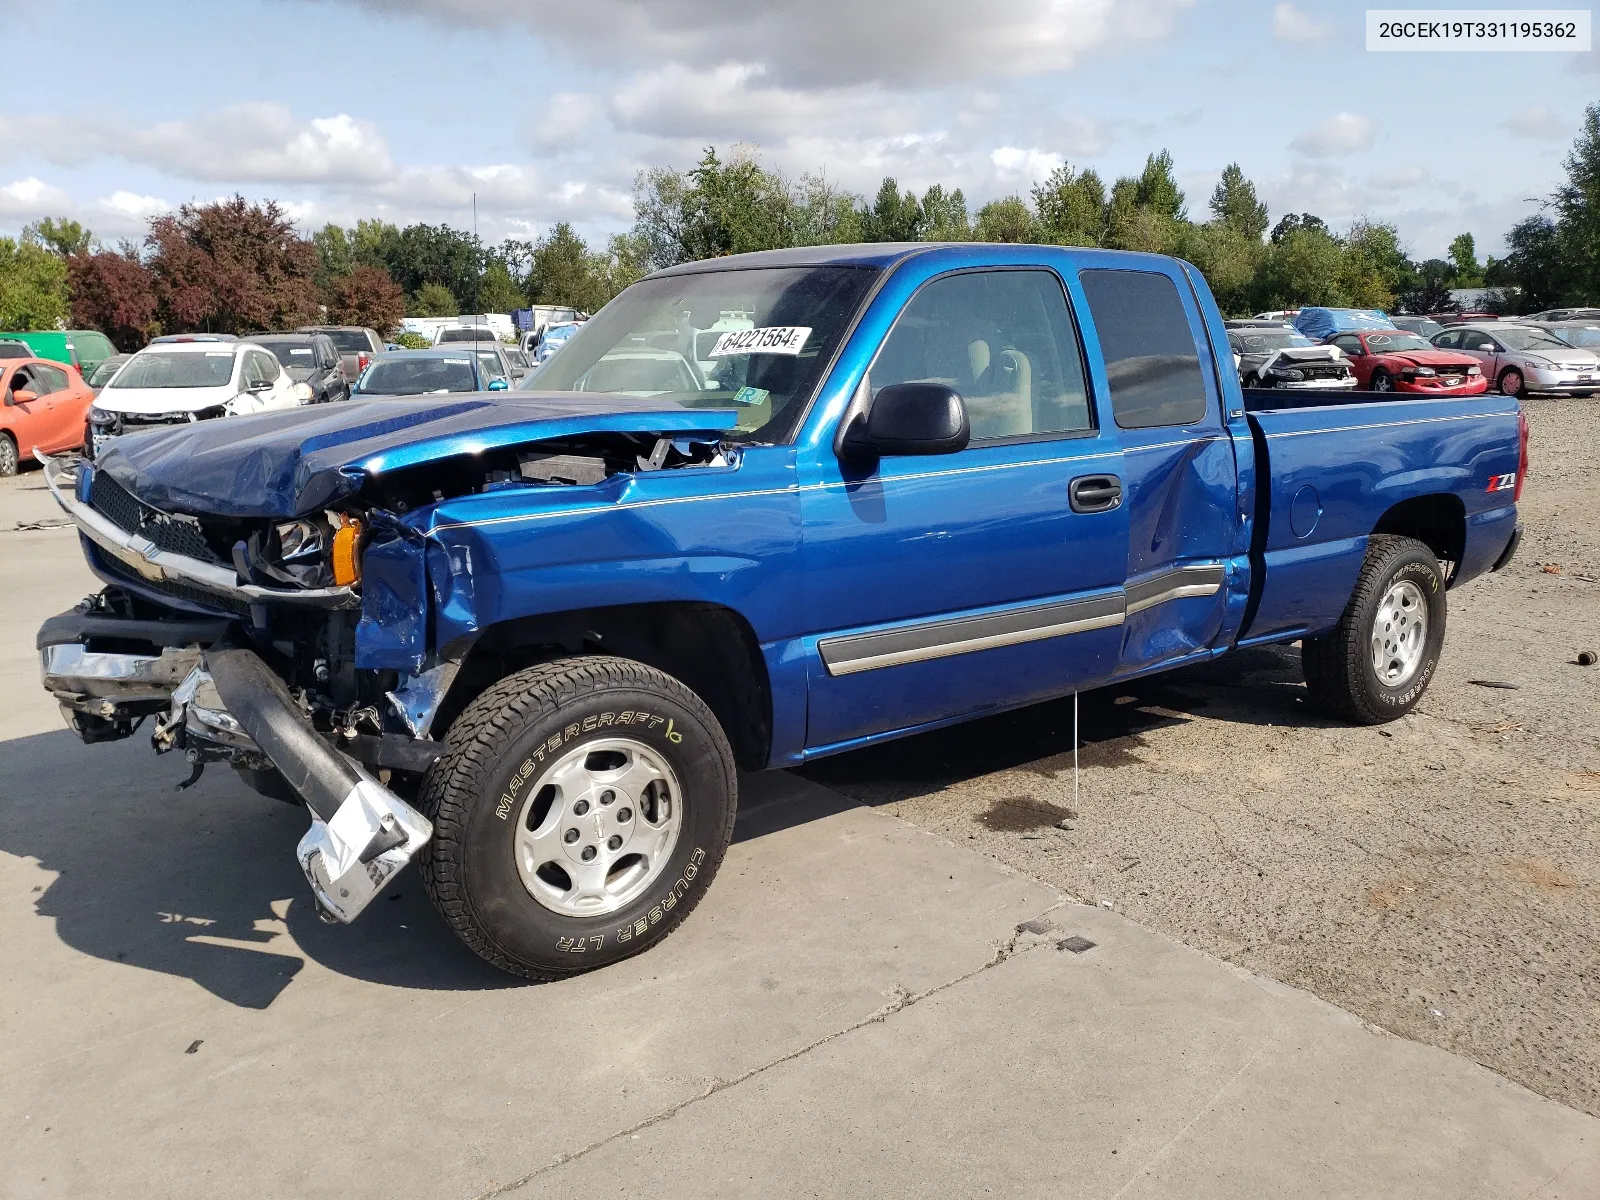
x=362, y=360
x=1522, y=455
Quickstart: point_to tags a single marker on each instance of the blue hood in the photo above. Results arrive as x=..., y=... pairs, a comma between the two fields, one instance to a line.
x=290, y=462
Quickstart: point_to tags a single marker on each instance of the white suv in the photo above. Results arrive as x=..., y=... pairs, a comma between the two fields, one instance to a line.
x=174, y=382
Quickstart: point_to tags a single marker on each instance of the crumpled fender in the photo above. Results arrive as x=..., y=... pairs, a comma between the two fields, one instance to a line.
x=393, y=632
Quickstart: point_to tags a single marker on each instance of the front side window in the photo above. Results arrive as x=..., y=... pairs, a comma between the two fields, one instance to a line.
x=51, y=379
x=1005, y=341
x=1448, y=341
x=1151, y=359
x=756, y=341
x=1474, y=340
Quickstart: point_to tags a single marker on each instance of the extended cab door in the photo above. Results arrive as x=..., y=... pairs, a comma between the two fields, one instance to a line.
x=943, y=586
x=1185, y=552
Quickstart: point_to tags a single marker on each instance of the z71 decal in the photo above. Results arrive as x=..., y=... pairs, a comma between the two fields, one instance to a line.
x=1502, y=483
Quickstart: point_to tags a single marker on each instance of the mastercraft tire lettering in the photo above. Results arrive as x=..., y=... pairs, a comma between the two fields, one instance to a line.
x=580, y=813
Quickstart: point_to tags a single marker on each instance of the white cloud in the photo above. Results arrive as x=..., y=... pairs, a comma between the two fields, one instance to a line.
x=1026, y=167
x=564, y=117
x=732, y=101
x=1398, y=178
x=256, y=142
x=826, y=41
x=1289, y=24
x=1537, y=121
x=1343, y=133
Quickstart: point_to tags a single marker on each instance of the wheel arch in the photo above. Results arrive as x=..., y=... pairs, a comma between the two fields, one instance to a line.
x=1437, y=520
x=710, y=648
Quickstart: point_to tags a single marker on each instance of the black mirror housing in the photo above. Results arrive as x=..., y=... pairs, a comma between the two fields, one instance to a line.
x=911, y=418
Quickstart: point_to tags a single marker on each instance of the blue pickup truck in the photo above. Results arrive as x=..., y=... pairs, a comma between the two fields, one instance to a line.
x=759, y=510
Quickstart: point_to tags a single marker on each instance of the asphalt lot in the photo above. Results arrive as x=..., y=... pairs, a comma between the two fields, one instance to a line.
x=873, y=997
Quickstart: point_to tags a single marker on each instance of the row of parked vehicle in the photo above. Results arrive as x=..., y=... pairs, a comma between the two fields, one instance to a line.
x=1553, y=352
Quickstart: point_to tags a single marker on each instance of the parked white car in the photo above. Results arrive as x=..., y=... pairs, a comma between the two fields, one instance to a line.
x=170, y=383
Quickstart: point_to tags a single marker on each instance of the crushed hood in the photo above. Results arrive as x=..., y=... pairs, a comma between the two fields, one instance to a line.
x=294, y=461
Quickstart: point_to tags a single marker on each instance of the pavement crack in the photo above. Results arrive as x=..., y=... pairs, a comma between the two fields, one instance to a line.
x=901, y=999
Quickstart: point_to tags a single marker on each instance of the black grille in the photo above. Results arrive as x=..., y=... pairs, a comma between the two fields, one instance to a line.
x=178, y=591
x=170, y=531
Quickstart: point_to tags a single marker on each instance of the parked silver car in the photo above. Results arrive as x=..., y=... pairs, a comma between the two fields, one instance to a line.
x=1585, y=335
x=1520, y=358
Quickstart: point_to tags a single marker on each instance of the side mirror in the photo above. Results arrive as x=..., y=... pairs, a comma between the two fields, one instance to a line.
x=260, y=385
x=21, y=396
x=498, y=385
x=910, y=418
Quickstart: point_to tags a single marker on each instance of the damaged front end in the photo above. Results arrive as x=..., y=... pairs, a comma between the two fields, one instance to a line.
x=294, y=637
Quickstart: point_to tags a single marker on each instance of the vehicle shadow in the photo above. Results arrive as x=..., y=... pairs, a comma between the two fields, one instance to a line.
x=201, y=884
x=1257, y=686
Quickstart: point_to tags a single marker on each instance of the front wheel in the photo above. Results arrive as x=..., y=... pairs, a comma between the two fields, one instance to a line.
x=580, y=813
x=1512, y=383
x=1375, y=665
x=8, y=455
x=1381, y=382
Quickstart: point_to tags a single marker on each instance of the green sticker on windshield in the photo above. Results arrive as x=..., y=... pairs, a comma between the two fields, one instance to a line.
x=751, y=395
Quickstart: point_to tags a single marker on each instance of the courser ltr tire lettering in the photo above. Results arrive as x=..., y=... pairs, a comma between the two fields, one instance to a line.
x=1338, y=666
x=475, y=793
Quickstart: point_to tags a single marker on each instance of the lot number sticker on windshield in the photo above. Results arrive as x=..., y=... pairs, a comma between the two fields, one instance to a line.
x=773, y=339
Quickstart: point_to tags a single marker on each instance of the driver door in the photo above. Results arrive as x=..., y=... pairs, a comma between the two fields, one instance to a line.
x=943, y=586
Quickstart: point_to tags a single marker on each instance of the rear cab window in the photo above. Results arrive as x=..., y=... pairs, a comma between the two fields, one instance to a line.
x=1152, y=363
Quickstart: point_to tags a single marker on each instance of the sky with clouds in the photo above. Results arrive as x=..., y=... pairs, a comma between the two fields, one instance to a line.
x=546, y=109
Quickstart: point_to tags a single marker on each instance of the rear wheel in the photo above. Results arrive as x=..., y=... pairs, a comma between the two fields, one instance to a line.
x=1512, y=383
x=8, y=455
x=1375, y=665
x=580, y=813
x=1381, y=381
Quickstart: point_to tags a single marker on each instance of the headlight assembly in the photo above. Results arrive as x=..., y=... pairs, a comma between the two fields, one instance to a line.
x=99, y=416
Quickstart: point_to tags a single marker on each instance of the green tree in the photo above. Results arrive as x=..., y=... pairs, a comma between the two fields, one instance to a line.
x=1235, y=205
x=1007, y=220
x=1375, y=268
x=944, y=216
x=33, y=286
x=1429, y=291
x=824, y=215
x=1577, y=207
x=1228, y=259
x=433, y=300
x=61, y=236
x=1464, y=261
x=1301, y=267
x=718, y=208
x=893, y=217
x=1158, y=187
x=1071, y=207
x=335, y=255
x=565, y=272
x=1292, y=221
x=1536, y=272
x=497, y=291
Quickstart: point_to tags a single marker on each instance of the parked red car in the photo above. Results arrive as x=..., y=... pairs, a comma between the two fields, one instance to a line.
x=43, y=405
x=1397, y=361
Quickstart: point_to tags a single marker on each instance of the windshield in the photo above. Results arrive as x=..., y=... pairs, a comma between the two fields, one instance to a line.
x=1530, y=339
x=756, y=341
x=1395, y=343
x=414, y=376
x=1270, y=339
x=1588, y=337
x=350, y=341
x=105, y=371
x=298, y=356
x=158, y=369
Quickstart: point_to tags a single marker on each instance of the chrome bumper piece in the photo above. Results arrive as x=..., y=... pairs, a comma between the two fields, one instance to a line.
x=354, y=846
x=151, y=562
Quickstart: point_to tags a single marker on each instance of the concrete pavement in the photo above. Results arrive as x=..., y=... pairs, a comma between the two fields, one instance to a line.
x=856, y=1005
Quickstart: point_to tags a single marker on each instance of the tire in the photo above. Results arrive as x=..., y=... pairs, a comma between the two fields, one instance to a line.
x=494, y=789
x=1381, y=381
x=1512, y=383
x=1340, y=668
x=1252, y=381
x=8, y=455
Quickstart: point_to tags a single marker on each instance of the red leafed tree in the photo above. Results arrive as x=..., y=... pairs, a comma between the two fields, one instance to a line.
x=113, y=291
x=367, y=296
x=231, y=267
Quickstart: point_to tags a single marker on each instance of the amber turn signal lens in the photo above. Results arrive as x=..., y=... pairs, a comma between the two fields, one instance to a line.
x=346, y=563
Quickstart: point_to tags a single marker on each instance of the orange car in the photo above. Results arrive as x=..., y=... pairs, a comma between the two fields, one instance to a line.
x=46, y=408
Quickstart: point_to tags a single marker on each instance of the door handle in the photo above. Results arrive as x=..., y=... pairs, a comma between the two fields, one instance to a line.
x=1094, y=493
